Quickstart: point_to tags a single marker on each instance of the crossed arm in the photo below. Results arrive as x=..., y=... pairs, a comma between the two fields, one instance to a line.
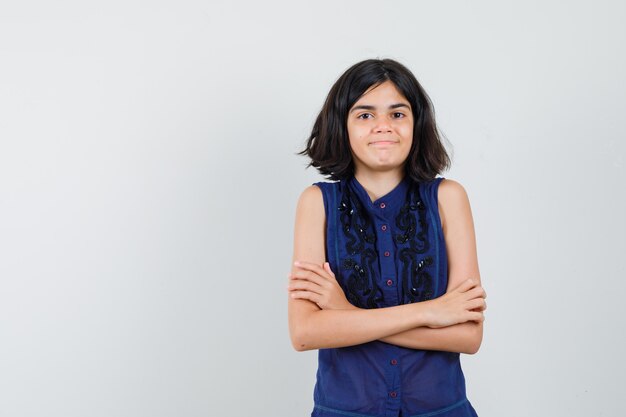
x=336, y=323
x=463, y=337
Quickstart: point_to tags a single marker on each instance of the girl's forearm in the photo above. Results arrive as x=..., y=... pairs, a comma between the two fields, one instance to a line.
x=340, y=328
x=463, y=337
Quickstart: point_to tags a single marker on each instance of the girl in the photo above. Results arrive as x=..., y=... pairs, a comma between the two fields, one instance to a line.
x=385, y=281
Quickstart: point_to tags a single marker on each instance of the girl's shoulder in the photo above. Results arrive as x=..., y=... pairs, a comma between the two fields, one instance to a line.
x=326, y=185
x=443, y=188
x=450, y=190
x=311, y=195
x=321, y=194
x=310, y=208
x=453, y=203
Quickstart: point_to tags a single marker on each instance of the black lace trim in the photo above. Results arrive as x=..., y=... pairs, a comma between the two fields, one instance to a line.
x=356, y=225
x=417, y=283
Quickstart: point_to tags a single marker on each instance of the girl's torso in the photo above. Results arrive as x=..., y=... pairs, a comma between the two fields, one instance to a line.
x=384, y=253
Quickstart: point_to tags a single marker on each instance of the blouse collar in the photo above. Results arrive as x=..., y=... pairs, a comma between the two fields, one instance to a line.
x=389, y=203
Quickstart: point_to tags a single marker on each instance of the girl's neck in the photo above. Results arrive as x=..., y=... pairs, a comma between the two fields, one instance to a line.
x=378, y=184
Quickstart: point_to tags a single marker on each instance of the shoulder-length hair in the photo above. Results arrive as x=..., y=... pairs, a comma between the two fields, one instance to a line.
x=328, y=146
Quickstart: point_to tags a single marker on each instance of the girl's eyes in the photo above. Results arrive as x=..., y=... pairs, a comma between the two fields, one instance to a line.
x=397, y=115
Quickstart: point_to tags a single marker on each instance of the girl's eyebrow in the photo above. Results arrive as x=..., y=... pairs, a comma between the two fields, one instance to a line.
x=368, y=107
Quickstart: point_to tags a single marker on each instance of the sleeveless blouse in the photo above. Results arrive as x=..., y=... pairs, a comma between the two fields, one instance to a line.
x=384, y=253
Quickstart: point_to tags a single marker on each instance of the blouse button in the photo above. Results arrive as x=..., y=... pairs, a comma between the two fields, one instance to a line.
x=383, y=227
x=394, y=362
x=393, y=394
x=389, y=283
x=382, y=205
x=386, y=253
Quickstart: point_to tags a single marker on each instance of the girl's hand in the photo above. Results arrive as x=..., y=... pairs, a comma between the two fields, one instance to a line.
x=464, y=303
x=312, y=282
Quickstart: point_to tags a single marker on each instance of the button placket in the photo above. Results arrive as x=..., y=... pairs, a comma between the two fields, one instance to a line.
x=386, y=252
x=385, y=248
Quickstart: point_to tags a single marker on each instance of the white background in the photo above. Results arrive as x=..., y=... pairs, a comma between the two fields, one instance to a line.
x=148, y=182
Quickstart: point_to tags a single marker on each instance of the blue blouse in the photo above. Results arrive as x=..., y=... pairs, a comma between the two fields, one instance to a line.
x=385, y=253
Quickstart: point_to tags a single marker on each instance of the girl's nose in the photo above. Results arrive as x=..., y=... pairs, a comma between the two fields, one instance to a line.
x=383, y=126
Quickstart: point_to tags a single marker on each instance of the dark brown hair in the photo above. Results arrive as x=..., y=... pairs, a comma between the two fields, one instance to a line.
x=328, y=146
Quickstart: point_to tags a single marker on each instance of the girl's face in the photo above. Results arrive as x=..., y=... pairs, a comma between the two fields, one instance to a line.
x=380, y=128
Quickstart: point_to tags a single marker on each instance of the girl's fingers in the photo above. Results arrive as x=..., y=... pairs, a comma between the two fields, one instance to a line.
x=305, y=285
x=302, y=275
x=477, y=292
x=310, y=266
x=465, y=285
x=477, y=317
x=327, y=268
x=305, y=295
x=477, y=303
x=471, y=289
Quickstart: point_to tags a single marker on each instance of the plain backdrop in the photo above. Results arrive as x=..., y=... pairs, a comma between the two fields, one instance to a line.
x=148, y=185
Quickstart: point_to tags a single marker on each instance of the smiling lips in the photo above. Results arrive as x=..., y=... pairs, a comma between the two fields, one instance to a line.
x=383, y=142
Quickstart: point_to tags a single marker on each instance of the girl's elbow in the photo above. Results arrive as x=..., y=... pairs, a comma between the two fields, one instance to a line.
x=472, y=348
x=298, y=345
x=296, y=340
x=475, y=339
x=299, y=340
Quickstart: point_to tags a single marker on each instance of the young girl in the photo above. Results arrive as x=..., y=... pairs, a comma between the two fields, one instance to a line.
x=385, y=281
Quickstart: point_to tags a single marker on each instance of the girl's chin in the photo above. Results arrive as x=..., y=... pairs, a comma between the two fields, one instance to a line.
x=383, y=166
